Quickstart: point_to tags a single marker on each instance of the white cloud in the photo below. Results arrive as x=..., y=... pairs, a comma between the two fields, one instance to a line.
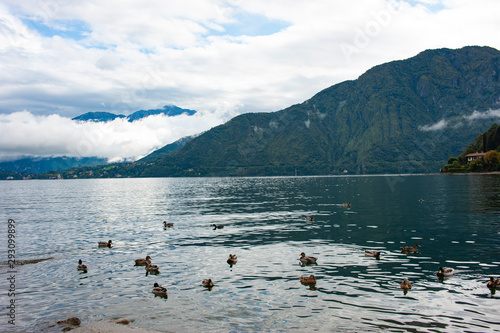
x=68, y=58
x=23, y=133
x=442, y=124
x=476, y=115
x=457, y=122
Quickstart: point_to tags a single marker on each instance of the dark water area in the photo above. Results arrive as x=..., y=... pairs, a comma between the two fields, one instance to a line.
x=455, y=219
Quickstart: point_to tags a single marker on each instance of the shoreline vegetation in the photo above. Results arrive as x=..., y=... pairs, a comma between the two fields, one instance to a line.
x=446, y=170
x=481, y=156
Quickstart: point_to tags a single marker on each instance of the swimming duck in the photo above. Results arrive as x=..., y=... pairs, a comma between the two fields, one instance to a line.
x=106, y=244
x=168, y=224
x=410, y=249
x=233, y=259
x=143, y=262
x=405, y=285
x=309, y=280
x=152, y=269
x=445, y=272
x=207, y=283
x=307, y=260
x=220, y=226
x=310, y=219
x=81, y=266
x=159, y=291
x=493, y=283
x=370, y=253
x=346, y=205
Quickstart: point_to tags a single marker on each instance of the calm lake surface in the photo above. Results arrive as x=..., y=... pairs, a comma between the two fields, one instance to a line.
x=457, y=225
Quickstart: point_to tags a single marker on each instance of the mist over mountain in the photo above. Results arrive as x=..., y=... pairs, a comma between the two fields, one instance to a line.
x=40, y=164
x=405, y=116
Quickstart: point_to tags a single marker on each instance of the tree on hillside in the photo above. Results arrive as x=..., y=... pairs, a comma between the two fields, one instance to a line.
x=476, y=165
x=492, y=158
x=492, y=138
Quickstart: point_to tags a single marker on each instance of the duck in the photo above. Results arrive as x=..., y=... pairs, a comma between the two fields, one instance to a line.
x=493, y=283
x=168, y=224
x=445, y=272
x=309, y=280
x=220, y=226
x=410, y=249
x=207, y=283
x=106, y=244
x=153, y=269
x=346, y=205
x=81, y=266
x=307, y=260
x=233, y=259
x=405, y=285
x=310, y=219
x=370, y=253
x=159, y=290
x=143, y=262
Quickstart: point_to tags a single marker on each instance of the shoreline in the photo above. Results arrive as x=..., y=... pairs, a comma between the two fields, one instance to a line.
x=471, y=173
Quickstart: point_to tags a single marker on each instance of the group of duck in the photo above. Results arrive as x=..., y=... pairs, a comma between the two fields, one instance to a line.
x=162, y=291
x=154, y=269
x=310, y=280
x=82, y=267
x=442, y=273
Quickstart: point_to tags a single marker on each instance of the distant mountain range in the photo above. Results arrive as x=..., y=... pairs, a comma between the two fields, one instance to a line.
x=168, y=110
x=405, y=116
x=39, y=165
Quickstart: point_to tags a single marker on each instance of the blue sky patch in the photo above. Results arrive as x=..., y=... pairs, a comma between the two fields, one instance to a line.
x=76, y=30
x=438, y=6
x=250, y=24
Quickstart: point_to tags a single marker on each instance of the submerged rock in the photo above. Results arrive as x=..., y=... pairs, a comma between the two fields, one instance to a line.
x=73, y=322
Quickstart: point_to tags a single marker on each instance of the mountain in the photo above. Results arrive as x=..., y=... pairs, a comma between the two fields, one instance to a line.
x=169, y=149
x=39, y=165
x=98, y=116
x=405, y=116
x=168, y=110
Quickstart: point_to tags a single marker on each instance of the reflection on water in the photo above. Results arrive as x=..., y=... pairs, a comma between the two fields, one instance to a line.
x=456, y=223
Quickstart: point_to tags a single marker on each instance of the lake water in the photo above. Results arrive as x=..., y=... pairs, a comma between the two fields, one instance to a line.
x=457, y=225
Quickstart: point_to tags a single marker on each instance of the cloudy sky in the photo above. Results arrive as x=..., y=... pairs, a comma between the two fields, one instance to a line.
x=61, y=58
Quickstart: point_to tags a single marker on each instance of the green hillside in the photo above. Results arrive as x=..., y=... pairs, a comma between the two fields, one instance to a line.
x=405, y=116
x=375, y=124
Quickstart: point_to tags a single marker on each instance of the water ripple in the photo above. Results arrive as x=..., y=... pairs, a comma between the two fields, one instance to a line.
x=264, y=224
